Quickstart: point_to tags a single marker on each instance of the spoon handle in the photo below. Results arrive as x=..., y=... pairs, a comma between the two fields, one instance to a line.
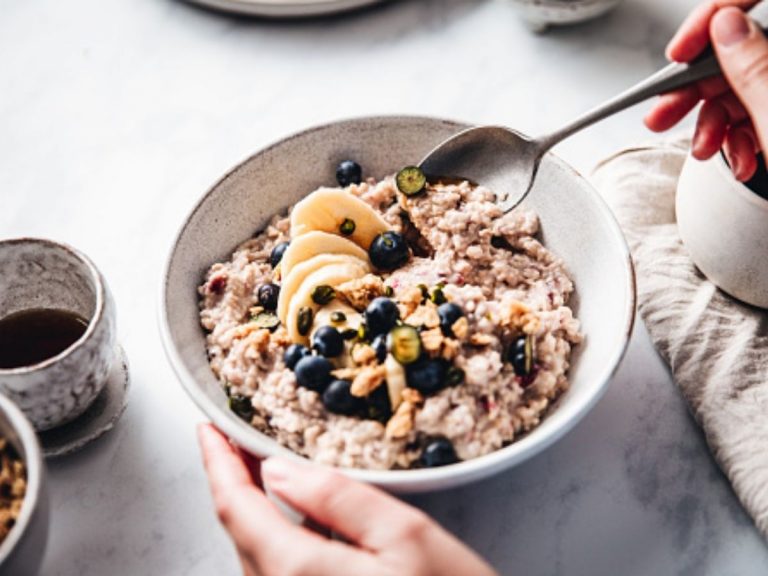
x=669, y=78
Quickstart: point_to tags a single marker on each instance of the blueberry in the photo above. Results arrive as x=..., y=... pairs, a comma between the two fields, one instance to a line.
x=338, y=399
x=349, y=172
x=313, y=372
x=268, y=295
x=388, y=251
x=294, y=353
x=439, y=452
x=381, y=316
x=521, y=355
x=327, y=341
x=428, y=375
x=277, y=253
x=379, y=346
x=378, y=405
x=449, y=313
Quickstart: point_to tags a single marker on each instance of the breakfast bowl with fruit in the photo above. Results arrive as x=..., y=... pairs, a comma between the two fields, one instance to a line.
x=351, y=311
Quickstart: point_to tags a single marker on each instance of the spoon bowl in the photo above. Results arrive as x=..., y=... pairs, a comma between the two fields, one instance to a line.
x=499, y=158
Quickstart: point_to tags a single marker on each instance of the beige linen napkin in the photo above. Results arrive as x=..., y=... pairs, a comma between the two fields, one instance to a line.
x=716, y=347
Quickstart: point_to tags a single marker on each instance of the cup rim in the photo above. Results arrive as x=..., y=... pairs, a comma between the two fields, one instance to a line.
x=33, y=462
x=741, y=188
x=95, y=318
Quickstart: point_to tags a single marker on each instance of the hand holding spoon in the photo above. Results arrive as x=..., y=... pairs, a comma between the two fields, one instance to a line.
x=507, y=161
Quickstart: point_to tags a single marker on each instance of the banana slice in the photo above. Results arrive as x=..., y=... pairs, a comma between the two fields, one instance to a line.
x=396, y=381
x=332, y=275
x=323, y=317
x=311, y=244
x=327, y=209
x=300, y=271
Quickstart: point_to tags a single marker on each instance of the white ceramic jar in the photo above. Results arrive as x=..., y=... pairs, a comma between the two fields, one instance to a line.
x=724, y=226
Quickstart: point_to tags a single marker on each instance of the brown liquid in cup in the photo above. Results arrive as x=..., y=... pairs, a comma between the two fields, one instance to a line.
x=31, y=336
x=759, y=182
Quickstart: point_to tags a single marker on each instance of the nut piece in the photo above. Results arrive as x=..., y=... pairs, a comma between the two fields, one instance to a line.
x=260, y=338
x=280, y=337
x=450, y=349
x=401, y=422
x=367, y=380
x=518, y=316
x=361, y=291
x=432, y=340
x=363, y=354
x=345, y=373
x=412, y=395
x=410, y=299
x=480, y=339
x=460, y=328
x=425, y=315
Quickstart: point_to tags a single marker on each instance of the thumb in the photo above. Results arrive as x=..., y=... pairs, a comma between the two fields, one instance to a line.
x=742, y=50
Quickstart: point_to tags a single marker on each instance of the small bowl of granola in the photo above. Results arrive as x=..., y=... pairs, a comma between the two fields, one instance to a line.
x=325, y=299
x=24, y=507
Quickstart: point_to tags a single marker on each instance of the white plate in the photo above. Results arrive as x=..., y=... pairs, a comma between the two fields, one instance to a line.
x=286, y=8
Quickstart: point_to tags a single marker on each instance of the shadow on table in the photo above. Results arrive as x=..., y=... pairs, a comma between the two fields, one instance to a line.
x=631, y=490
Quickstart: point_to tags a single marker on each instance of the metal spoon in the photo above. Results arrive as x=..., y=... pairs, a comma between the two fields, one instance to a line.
x=507, y=161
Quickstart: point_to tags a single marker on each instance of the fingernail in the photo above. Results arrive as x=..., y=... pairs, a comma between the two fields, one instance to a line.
x=735, y=166
x=275, y=470
x=729, y=27
x=696, y=144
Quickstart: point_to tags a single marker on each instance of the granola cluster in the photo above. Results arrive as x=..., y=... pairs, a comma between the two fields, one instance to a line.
x=13, y=487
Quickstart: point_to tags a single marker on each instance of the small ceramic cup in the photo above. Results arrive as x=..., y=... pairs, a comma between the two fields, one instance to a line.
x=37, y=273
x=724, y=226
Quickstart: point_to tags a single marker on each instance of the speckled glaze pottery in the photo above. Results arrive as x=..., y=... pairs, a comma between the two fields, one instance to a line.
x=21, y=553
x=575, y=223
x=286, y=8
x=540, y=14
x=37, y=273
x=724, y=226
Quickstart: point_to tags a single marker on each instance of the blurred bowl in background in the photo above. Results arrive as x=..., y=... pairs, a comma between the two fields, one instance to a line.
x=540, y=14
x=23, y=549
x=285, y=8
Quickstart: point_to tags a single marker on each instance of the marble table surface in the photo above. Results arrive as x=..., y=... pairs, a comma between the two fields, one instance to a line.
x=115, y=116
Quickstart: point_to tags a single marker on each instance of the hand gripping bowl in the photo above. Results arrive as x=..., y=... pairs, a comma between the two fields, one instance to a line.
x=575, y=222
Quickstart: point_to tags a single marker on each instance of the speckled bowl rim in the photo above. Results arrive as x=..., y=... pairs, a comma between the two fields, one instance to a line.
x=94, y=319
x=33, y=461
x=423, y=479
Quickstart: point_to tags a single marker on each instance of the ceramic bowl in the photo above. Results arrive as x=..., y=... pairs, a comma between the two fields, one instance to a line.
x=22, y=550
x=285, y=8
x=724, y=226
x=540, y=14
x=576, y=224
x=37, y=273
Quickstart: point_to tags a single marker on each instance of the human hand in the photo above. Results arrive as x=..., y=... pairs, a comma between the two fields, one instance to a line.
x=385, y=536
x=734, y=115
